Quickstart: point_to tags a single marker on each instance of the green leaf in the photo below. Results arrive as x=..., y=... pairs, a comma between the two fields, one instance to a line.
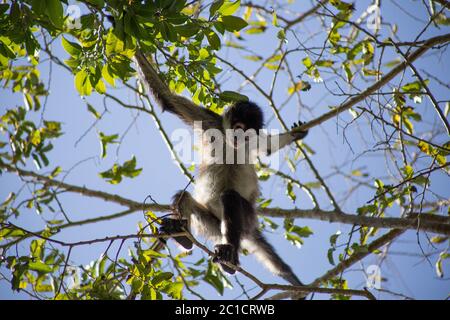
x=303, y=232
x=136, y=284
x=105, y=140
x=253, y=58
x=371, y=208
x=438, y=239
x=39, y=266
x=117, y=172
x=348, y=71
x=82, y=83
x=94, y=112
x=393, y=63
x=271, y=224
x=307, y=62
x=265, y=203
x=325, y=63
x=299, y=86
x=3, y=8
x=232, y=23
x=408, y=171
x=442, y=256
x=281, y=34
x=231, y=96
x=188, y=30
x=290, y=191
x=7, y=232
x=274, y=19
x=113, y=44
x=215, y=6
x=412, y=86
x=214, y=40
x=334, y=237
x=129, y=168
x=256, y=30
x=72, y=48
x=174, y=290
x=294, y=239
x=100, y=87
x=107, y=75
x=330, y=256
x=55, y=12
x=370, y=72
x=161, y=277
x=228, y=8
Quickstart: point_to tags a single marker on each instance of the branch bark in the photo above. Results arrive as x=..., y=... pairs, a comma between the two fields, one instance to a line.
x=374, y=245
x=428, y=222
x=379, y=84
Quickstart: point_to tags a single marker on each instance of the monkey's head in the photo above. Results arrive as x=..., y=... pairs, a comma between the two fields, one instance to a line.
x=244, y=115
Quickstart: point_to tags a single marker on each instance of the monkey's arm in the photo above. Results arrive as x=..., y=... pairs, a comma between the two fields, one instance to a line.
x=178, y=105
x=279, y=141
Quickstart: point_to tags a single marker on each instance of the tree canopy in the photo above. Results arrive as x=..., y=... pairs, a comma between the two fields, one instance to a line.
x=86, y=155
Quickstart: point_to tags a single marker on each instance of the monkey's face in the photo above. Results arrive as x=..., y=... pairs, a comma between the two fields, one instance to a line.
x=245, y=119
x=244, y=116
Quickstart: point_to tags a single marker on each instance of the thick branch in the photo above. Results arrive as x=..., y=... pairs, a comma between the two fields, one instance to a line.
x=85, y=191
x=376, y=244
x=379, y=84
x=428, y=222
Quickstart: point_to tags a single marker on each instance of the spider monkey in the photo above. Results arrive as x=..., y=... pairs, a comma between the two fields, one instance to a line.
x=222, y=207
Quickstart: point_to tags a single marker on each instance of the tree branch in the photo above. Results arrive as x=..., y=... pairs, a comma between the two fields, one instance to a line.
x=374, y=245
x=428, y=222
x=377, y=85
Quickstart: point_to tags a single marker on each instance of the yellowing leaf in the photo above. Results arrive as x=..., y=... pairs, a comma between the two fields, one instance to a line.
x=299, y=86
x=36, y=137
x=228, y=8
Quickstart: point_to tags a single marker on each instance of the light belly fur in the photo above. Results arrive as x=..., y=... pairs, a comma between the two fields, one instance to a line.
x=213, y=180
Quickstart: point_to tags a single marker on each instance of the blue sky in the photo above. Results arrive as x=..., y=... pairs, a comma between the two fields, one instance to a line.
x=160, y=178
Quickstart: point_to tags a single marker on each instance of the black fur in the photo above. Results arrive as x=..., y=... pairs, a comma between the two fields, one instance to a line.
x=285, y=270
x=248, y=113
x=225, y=195
x=300, y=134
x=170, y=226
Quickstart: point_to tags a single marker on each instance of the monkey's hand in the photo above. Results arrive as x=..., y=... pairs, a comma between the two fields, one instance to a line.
x=298, y=135
x=170, y=226
x=226, y=253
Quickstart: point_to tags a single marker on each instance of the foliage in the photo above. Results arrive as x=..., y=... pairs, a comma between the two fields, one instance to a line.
x=186, y=40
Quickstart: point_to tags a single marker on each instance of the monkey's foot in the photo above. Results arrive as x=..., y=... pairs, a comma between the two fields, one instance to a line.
x=170, y=226
x=300, y=134
x=226, y=253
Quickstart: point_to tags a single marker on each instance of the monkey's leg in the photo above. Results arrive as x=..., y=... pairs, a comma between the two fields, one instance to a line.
x=231, y=229
x=170, y=226
x=268, y=256
x=193, y=216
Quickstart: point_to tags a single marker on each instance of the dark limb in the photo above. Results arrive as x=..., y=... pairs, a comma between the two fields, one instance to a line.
x=176, y=104
x=237, y=213
x=277, y=142
x=171, y=226
x=298, y=135
x=265, y=252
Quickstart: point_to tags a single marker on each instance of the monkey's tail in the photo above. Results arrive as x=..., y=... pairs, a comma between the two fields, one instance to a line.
x=265, y=253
